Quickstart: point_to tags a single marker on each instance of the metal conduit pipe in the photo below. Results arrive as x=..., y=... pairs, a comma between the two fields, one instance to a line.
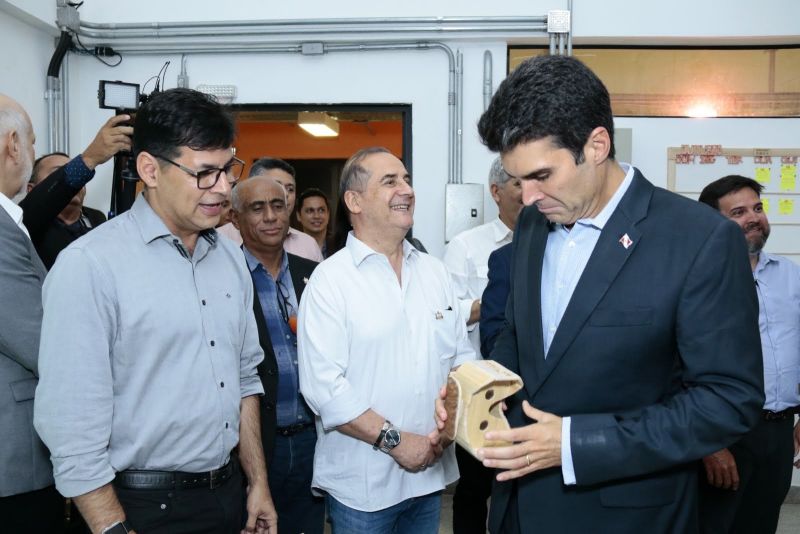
x=459, y=131
x=487, y=79
x=52, y=115
x=436, y=23
x=64, y=79
x=569, y=35
x=452, y=97
x=516, y=29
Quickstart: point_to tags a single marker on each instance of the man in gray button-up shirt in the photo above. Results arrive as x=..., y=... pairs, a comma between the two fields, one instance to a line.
x=149, y=346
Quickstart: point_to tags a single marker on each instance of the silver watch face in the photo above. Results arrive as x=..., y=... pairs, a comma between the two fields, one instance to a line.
x=392, y=438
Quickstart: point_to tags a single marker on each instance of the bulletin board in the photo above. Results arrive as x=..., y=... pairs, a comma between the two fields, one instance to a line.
x=691, y=167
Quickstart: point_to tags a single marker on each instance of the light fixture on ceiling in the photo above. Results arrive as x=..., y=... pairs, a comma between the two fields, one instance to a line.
x=318, y=123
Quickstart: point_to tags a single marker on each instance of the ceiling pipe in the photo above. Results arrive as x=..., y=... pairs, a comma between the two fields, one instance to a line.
x=343, y=35
x=487, y=79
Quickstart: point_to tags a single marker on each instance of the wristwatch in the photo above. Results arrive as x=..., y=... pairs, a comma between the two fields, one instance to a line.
x=120, y=527
x=388, y=439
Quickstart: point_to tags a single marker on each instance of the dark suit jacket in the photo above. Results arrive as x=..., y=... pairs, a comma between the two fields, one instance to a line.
x=42, y=205
x=657, y=360
x=300, y=269
x=494, y=298
x=57, y=236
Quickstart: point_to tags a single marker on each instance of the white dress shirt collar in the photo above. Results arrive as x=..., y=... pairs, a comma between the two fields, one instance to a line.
x=14, y=211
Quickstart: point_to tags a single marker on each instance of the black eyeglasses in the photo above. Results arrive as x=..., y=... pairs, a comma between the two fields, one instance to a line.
x=284, y=304
x=208, y=178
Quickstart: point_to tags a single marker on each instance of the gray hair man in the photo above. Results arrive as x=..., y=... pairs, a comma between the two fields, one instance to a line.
x=379, y=331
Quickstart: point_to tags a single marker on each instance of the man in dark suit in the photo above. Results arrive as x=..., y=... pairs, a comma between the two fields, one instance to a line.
x=495, y=296
x=74, y=220
x=633, y=322
x=261, y=214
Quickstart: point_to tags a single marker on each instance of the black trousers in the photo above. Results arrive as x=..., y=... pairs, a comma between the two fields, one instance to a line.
x=179, y=511
x=472, y=491
x=33, y=512
x=764, y=461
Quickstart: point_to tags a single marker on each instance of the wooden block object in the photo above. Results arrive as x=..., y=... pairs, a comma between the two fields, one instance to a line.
x=474, y=394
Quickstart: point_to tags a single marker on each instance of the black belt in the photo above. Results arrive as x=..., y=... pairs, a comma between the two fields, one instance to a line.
x=291, y=430
x=783, y=414
x=161, y=480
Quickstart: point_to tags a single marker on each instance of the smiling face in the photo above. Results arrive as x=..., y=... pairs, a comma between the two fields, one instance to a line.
x=744, y=207
x=385, y=208
x=263, y=216
x=313, y=215
x=174, y=196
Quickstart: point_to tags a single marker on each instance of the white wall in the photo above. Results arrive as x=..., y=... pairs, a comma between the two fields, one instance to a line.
x=26, y=54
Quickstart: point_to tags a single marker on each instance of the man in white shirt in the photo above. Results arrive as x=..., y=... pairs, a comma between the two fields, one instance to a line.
x=379, y=330
x=467, y=259
x=467, y=255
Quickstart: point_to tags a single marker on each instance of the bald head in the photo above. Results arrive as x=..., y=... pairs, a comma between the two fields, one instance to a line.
x=261, y=213
x=16, y=146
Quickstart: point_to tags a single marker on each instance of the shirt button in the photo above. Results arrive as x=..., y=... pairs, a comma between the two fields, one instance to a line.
x=203, y=301
x=571, y=244
x=222, y=384
x=212, y=342
x=226, y=424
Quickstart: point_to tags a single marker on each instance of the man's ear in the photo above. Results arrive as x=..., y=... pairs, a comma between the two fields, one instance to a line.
x=13, y=146
x=235, y=218
x=352, y=201
x=148, y=168
x=598, y=146
x=494, y=189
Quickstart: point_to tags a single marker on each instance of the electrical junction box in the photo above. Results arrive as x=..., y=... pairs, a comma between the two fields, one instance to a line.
x=464, y=208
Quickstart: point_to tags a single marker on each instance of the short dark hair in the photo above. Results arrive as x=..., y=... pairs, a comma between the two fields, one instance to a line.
x=309, y=193
x=725, y=186
x=178, y=118
x=38, y=163
x=354, y=178
x=261, y=165
x=548, y=96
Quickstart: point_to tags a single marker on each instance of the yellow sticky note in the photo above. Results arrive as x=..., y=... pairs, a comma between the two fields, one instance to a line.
x=788, y=177
x=786, y=206
x=762, y=175
x=765, y=205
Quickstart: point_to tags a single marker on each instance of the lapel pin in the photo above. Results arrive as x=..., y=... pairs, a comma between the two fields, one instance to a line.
x=626, y=241
x=305, y=280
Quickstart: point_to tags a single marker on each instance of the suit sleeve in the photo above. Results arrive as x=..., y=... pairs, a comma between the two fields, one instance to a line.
x=722, y=375
x=21, y=295
x=493, y=301
x=45, y=201
x=505, y=350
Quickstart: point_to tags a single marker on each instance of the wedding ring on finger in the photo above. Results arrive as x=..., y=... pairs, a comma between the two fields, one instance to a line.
x=528, y=459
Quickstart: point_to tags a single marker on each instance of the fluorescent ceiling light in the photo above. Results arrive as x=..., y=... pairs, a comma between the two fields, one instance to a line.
x=318, y=123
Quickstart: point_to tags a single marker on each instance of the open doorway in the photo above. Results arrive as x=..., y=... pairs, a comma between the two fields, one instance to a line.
x=272, y=130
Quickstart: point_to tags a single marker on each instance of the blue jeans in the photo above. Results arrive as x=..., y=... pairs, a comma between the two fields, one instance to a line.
x=418, y=515
x=289, y=476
